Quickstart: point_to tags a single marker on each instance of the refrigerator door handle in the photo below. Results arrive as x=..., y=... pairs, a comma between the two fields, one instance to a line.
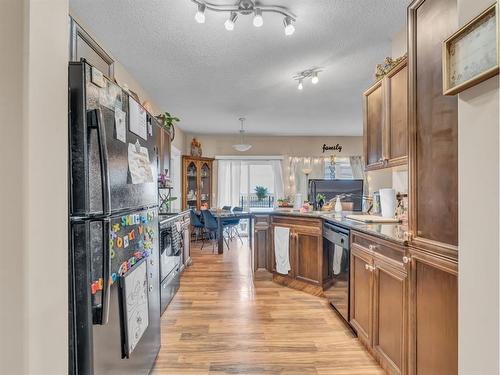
x=96, y=121
x=103, y=314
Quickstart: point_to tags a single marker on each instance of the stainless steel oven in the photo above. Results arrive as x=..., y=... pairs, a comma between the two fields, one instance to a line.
x=337, y=251
x=170, y=263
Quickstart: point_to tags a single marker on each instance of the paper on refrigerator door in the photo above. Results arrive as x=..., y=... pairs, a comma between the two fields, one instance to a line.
x=137, y=118
x=120, y=125
x=139, y=165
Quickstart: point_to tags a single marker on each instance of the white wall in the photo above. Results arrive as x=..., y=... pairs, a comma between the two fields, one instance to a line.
x=13, y=352
x=33, y=166
x=276, y=145
x=478, y=133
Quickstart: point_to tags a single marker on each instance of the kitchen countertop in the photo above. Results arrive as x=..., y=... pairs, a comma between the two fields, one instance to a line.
x=391, y=232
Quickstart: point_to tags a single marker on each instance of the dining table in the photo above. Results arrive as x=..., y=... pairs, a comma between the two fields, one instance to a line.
x=225, y=215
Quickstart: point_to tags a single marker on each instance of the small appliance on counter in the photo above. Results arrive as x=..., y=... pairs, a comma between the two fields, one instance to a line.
x=388, y=202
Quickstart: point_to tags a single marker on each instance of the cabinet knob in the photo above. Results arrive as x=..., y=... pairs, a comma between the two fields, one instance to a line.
x=406, y=259
x=369, y=268
x=372, y=247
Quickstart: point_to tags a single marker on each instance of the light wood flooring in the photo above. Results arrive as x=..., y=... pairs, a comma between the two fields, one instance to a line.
x=223, y=322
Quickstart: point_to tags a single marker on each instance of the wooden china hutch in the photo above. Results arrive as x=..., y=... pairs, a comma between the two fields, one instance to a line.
x=197, y=175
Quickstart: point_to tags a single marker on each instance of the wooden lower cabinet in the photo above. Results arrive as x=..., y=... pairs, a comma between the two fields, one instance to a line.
x=390, y=315
x=305, y=249
x=261, y=253
x=361, y=294
x=379, y=300
x=309, y=250
x=433, y=334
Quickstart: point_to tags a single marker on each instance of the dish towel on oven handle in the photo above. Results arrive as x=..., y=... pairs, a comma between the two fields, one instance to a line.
x=281, y=249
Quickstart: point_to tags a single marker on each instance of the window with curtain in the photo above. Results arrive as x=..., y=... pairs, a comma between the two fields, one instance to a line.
x=341, y=170
x=239, y=180
x=345, y=167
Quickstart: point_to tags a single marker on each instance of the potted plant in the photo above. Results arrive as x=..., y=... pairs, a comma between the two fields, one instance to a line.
x=261, y=192
x=320, y=200
x=167, y=121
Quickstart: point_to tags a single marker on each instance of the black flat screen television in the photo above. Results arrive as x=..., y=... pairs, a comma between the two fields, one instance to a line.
x=353, y=190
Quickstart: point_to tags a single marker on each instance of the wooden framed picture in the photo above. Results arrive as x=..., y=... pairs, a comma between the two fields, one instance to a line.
x=470, y=55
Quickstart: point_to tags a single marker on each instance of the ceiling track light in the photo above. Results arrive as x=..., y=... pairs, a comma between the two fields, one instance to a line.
x=200, y=14
x=289, y=28
x=305, y=74
x=246, y=7
x=258, y=21
x=229, y=24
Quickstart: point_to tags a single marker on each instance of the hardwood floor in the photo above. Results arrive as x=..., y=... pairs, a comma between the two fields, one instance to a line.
x=222, y=322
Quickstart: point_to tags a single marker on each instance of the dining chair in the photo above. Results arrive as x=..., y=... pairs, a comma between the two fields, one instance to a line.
x=234, y=224
x=197, y=225
x=211, y=227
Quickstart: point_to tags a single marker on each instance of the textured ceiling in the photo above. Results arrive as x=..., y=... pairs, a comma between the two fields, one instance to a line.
x=209, y=77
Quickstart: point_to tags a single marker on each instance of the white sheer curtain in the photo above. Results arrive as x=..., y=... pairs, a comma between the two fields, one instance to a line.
x=297, y=166
x=279, y=187
x=228, y=183
x=358, y=171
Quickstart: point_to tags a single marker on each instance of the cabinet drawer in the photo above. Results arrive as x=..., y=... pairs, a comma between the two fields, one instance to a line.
x=376, y=245
x=299, y=224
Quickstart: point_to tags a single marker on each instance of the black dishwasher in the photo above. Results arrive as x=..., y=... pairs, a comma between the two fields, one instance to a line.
x=336, y=250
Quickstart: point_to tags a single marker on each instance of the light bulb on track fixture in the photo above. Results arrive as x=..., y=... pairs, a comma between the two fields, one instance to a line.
x=315, y=79
x=229, y=24
x=289, y=28
x=200, y=14
x=258, y=21
x=300, y=86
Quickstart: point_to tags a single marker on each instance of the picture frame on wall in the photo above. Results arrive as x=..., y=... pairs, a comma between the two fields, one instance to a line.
x=471, y=55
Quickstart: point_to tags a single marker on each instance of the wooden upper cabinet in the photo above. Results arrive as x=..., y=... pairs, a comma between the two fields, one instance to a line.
x=433, y=126
x=396, y=120
x=433, y=193
x=197, y=175
x=386, y=120
x=373, y=126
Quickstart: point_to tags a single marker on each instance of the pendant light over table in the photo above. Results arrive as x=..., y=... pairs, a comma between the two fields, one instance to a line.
x=242, y=146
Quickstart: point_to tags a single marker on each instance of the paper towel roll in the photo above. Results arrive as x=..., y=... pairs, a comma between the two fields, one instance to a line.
x=388, y=202
x=298, y=201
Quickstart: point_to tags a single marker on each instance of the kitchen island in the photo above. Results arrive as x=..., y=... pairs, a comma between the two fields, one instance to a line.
x=264, y=221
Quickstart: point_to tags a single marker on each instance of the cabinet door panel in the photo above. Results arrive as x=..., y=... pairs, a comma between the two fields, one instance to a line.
x=308, y=253
x=373, y=126
x=398, y=114
x=262, y=243
x=389, y=327
x=361, y=294
x=434, y=126
x=433, y=316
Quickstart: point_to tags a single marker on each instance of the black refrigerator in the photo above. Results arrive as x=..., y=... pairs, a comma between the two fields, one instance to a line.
x=114, y=306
